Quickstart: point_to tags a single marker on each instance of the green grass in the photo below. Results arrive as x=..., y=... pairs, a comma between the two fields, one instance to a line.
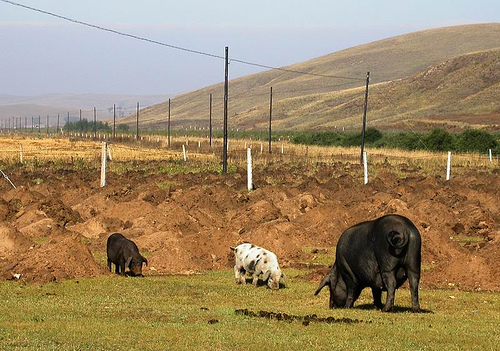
x=466, y=239
x=321, y=256
x=172, y=313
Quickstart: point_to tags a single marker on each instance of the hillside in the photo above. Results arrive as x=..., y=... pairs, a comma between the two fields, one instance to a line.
x=52, y=104
x=456, y=93
x=387, y=60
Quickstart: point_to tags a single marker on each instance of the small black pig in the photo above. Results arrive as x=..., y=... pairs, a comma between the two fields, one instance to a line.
x=124, y=253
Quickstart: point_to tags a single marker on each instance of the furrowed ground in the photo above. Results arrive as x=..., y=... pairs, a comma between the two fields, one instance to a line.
x=184, y=216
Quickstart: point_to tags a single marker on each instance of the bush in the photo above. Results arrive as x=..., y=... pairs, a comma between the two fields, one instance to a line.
x=439, y=140
x=475, y=140
x=85, y=126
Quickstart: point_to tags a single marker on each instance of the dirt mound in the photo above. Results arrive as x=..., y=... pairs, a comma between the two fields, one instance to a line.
x=61, y=257
x=186, y=223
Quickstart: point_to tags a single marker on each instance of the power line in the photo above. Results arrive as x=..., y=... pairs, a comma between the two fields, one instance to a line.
x=173, y=46
x=111, y=30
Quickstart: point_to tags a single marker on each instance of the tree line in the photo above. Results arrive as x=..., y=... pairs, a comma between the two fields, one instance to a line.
x=470, y=140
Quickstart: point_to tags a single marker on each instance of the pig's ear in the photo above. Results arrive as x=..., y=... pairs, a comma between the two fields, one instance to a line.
x=266, y=275
x=144, y=260
x=127, y=262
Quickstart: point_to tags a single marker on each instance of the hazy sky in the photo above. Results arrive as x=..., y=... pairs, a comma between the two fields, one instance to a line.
x=42, y=54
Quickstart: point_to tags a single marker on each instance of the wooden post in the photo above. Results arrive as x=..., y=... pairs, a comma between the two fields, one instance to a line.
x=364, y=115
x=114, y=121
x=365, y=167
x=448, y=166
x=103, y=164
x=168, y=125
x=110, y=156
x=210, y=124
x=137, y=127
x=249, y=170
x=21, y=153
x=95, y=123
x=225, y=143
x=270, y=117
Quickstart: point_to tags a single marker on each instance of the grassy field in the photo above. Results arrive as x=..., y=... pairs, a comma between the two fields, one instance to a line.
x=82, y=153
x=198, y=312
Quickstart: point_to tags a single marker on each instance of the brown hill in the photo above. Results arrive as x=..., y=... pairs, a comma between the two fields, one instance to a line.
x=456, y=93
x=387, y=60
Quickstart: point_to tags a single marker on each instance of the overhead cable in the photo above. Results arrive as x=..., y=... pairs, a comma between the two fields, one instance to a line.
x=174, y=46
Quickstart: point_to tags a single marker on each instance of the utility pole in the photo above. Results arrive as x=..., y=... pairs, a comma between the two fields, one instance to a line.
x=95, y=123
x=114, y=121
x=39, y=123
x=224, y=146
x=364, y=117
x=270, y=117
x=210, y=124
x=168, y=124
x=57, y=131
x=47, y=124
x=137, y=124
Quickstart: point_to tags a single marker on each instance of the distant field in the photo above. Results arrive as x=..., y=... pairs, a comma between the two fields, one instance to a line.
x=198, y=312
x=38, y=151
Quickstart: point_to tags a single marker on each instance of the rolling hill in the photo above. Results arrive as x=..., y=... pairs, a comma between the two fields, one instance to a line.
x=398, y=66
x=53, y=104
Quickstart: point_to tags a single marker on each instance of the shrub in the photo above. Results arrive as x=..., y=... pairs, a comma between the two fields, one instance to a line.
x=475, y=140
x=439, y=140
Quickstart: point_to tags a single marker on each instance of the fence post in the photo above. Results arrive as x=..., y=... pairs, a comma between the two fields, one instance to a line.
x=137, y=127
x=448, y=166
x=110, y=156
x=249, y=169
x=103, y=164
x=491, y=157
x=21, y=153
x=210, y=123
x=184, y=152
x=225, y=145
x=365, y=107
x=270, y=117
x=365, y=167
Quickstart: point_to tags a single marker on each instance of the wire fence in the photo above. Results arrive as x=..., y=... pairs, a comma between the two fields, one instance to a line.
x=80, y=147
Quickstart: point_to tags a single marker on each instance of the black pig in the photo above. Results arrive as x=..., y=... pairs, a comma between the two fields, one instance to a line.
x=124, y=253
x=380, y=254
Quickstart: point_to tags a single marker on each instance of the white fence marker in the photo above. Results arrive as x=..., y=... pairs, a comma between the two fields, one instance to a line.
x=448, y=166
x=365, y=166
x=109, y=154
x=282, y=148
x=184, y=152
x=249, y=169
x=199, y=143
x=489, y=150
x=261, y=148
x=21, y=153
x=103, y=164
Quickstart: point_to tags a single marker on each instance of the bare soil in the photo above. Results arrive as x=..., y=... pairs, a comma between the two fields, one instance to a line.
x=186, y=223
